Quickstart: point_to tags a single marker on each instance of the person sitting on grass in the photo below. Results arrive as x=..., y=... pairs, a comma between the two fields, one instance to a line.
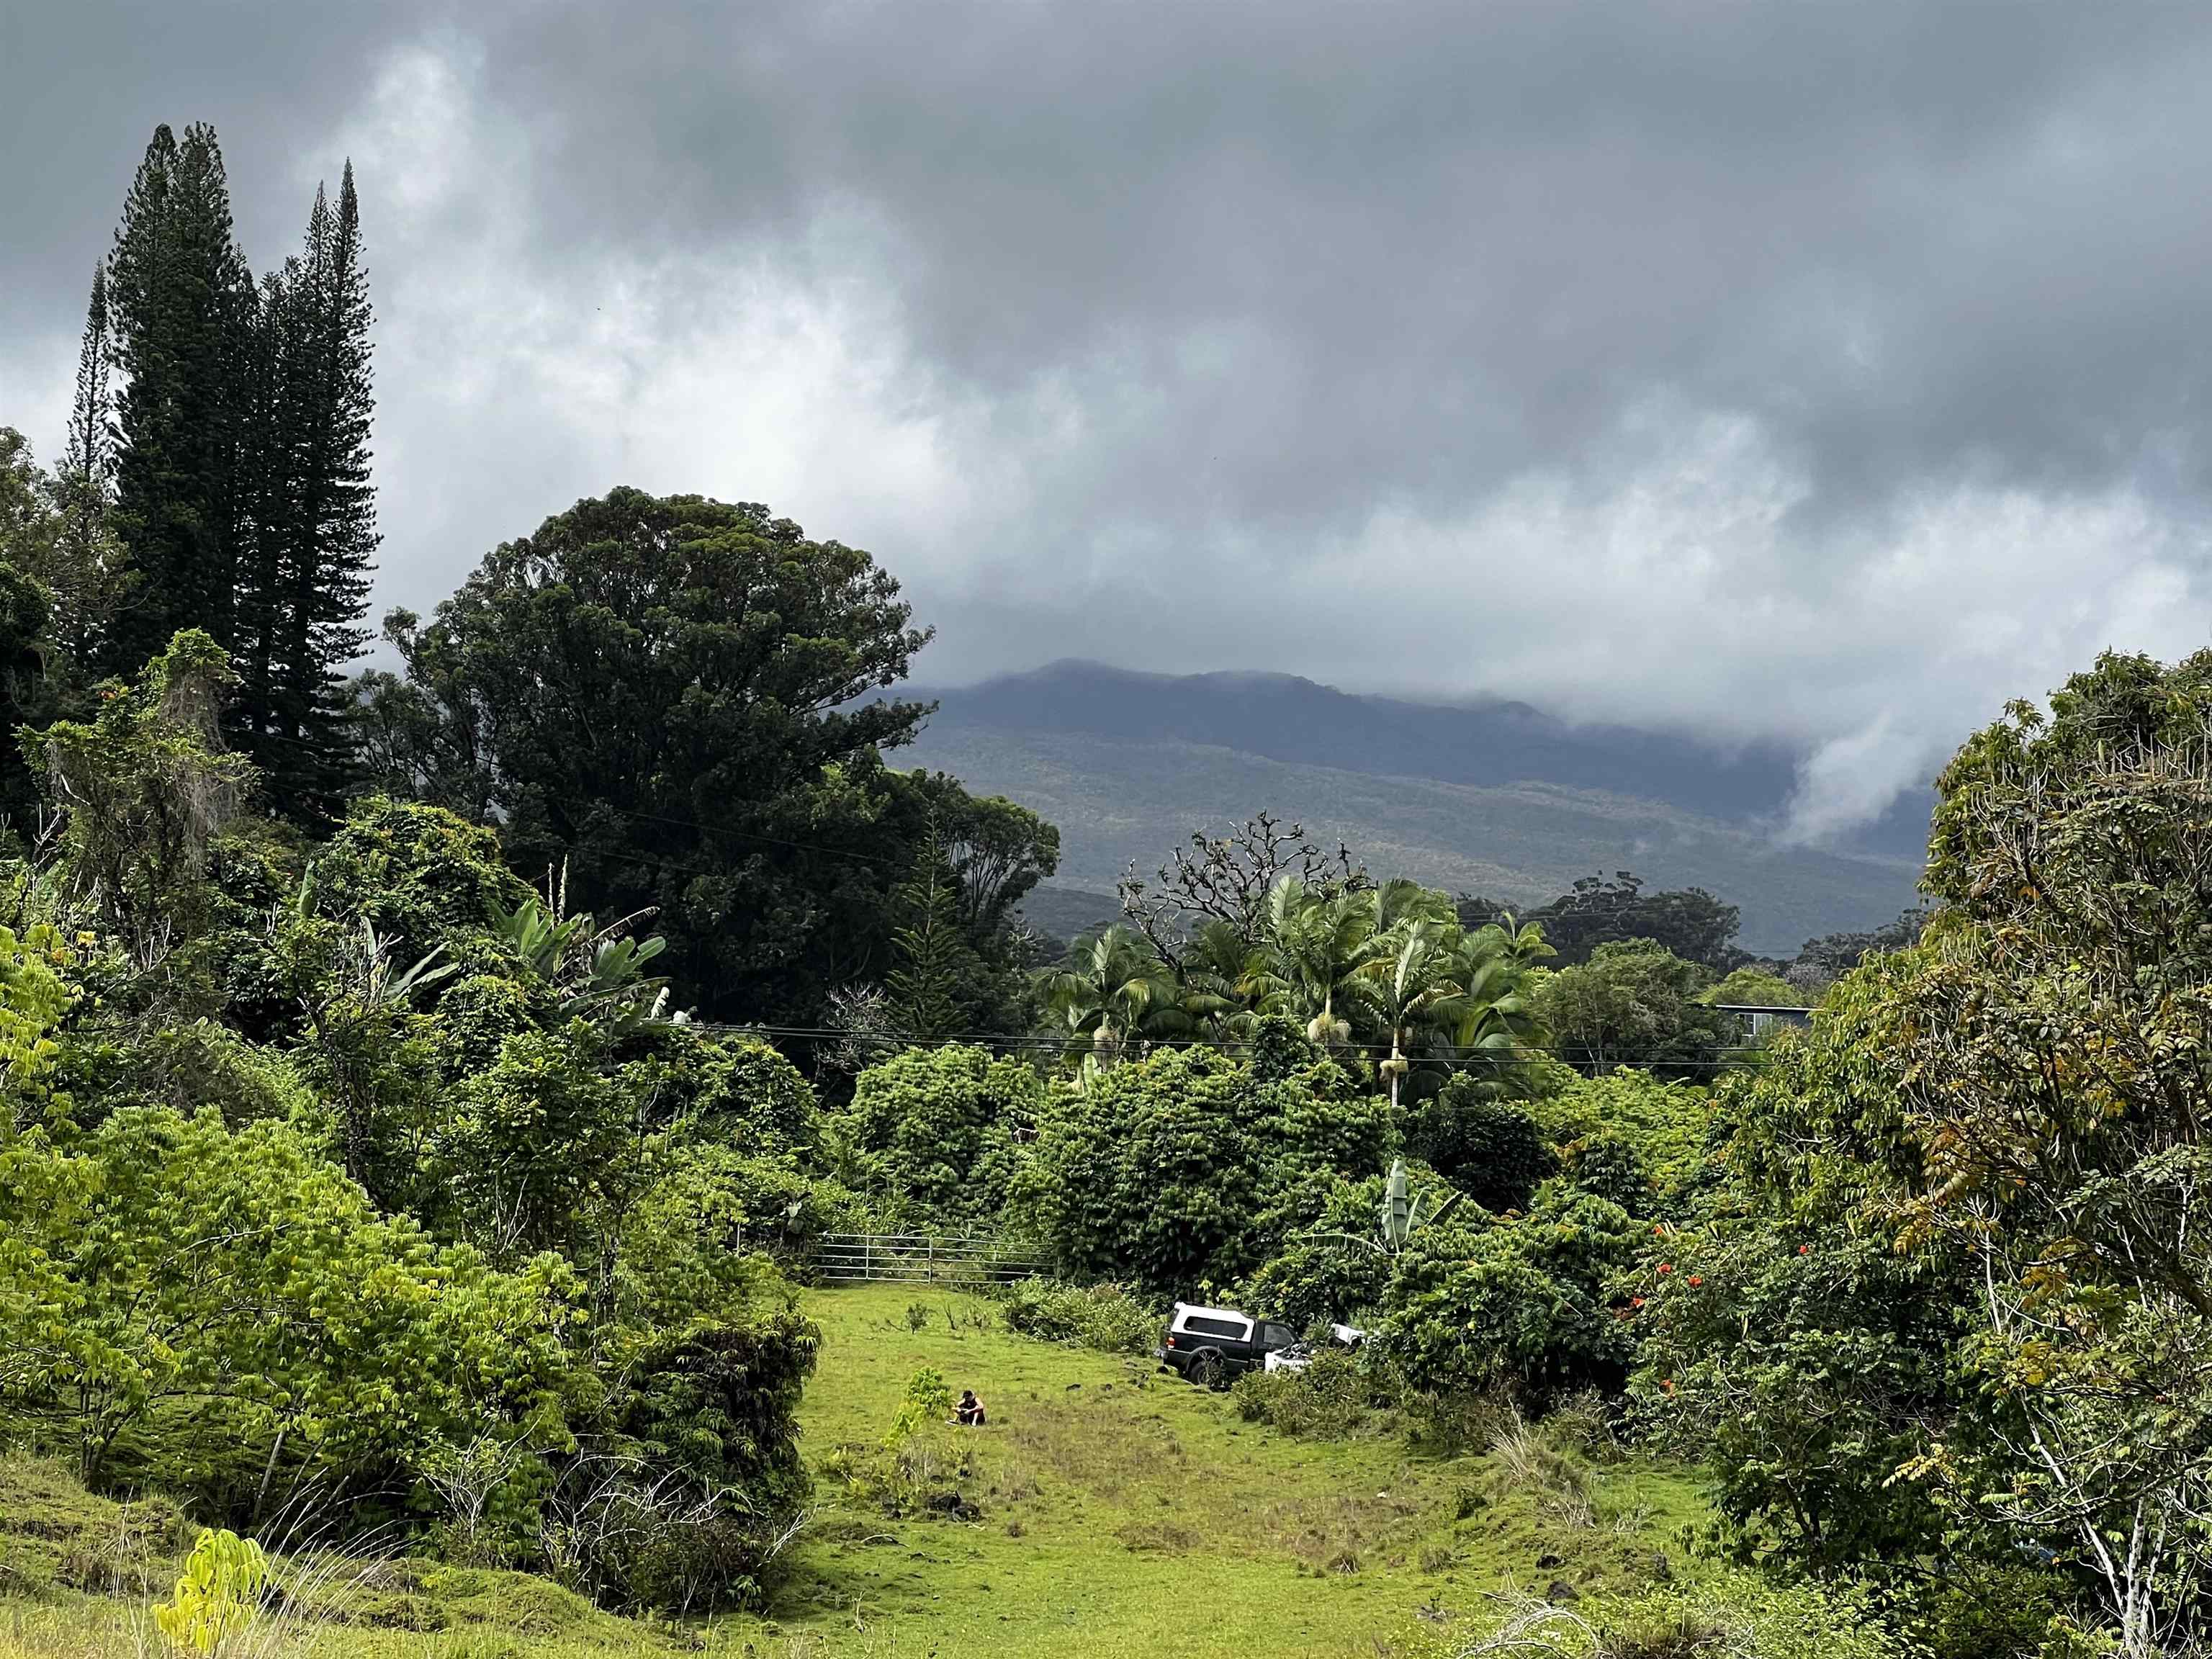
x=968, y=1414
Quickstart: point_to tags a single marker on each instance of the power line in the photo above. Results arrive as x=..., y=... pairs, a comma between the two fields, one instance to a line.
x=702, y=830
x=1033, y=1041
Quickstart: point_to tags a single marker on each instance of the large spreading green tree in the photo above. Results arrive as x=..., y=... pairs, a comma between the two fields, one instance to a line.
x=1601, y=909
x=670, y=695
x=1636, y=1003
x=1953, y=1304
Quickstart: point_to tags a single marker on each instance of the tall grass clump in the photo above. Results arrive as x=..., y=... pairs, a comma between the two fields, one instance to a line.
x=1729, y=1615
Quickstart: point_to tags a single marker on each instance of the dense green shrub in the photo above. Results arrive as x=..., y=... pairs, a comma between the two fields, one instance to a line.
x=1330, y=1397
x=1180, y=1171
x=1649, y=1145
x=934, y=1129
x=1737, y=1614
x=221, y=1313
x=712, y=1404
x=480, y=1014
x=1104, y=1316
x=1330, y=1267
x=1521, y=1301
x=419, y=875
x=734, y=1089
x=1611, y=1164
x=1805, y=1362
x=1488, y=1146
x=430, y=1249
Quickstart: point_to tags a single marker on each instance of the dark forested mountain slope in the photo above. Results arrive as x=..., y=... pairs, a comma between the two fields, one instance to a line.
x=1494, y=797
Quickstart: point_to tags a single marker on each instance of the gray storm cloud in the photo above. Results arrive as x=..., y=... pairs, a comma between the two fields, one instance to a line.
x=1831, y=372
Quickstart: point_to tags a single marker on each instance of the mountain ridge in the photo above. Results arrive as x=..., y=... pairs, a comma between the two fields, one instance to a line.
x=1492, y=796
x=1482, y=741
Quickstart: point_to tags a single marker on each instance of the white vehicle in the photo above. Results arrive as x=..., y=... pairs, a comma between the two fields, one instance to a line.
x=1299, y=1355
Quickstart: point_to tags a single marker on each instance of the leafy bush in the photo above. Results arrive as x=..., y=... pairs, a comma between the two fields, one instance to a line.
x=307, y=1178
x=1452, y=1423
x=221, y=1313
x=734, y=1088
x=1649, y=1145
x=927, y=1401
x=1737, y=1613
x=1803, y=1362
x=185, y=1065
x=1330, y=1398
x=935, y=1129
x=1103, y=1316
x=1488, y=1147
x=420, y=875
x=33, y=998
x=217, y=1597
x=1522, y=1302
x=1611, y=1165
x=1182, y=1169
x=1321, y=1276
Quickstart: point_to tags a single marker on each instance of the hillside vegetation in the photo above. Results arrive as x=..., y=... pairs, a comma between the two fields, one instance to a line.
x=1114, y=1509
x=424, y=1102
x=1119, y=800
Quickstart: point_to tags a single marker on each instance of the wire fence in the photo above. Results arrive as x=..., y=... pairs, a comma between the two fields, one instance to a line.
x=923, y=1259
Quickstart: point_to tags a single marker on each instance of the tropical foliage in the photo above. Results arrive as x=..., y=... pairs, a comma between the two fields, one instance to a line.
x=406, y=1123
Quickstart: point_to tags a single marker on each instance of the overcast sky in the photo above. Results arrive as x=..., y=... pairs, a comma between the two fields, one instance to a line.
x=1827, y=371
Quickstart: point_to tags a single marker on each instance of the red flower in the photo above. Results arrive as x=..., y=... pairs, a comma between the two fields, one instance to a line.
x=1666, y=1266
x=1635, y=1301
x=1694, y=1280
x=1804, y=1249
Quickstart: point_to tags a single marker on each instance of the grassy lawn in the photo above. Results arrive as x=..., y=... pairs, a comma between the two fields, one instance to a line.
x=1122, y=1511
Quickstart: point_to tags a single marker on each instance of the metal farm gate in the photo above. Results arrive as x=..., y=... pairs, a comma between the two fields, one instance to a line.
x=922, y=1259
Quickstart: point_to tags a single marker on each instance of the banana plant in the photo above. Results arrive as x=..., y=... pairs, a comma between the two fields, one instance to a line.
x=384, y=984
x=1400, y=1217
x=617, y=973
x=543, y=940
x=594, y=971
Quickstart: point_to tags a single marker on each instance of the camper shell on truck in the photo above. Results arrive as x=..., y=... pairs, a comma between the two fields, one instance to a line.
x=1214, y=1346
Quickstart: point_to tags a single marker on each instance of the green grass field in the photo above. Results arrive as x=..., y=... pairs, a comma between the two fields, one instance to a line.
x=1122, y=1511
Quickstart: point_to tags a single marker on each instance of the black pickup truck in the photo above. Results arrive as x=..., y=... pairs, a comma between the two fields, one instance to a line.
x=1212, y=1346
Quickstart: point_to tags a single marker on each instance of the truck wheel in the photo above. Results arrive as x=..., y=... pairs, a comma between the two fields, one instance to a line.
x=1209, y=1370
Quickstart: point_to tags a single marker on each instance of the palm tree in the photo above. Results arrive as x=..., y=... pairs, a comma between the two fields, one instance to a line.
x=1398, y=902
x=1114, y=990
x=1211, y=979
x=1311, y=941
x=1408, y=974
x=1488, y=1011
